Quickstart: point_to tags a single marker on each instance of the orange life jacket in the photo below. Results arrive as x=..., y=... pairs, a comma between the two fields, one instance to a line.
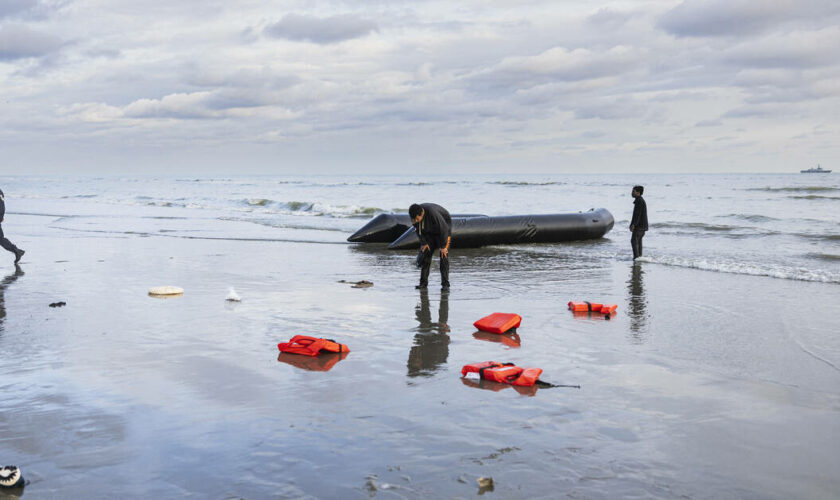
x=498, y=322
x=505, y=373
x=584, y=306
x=310, y=346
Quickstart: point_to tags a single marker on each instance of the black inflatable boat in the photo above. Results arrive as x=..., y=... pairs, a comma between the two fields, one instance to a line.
x=549, y=228
x=385, y=228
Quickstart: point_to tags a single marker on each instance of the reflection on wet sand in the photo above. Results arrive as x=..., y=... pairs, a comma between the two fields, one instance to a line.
x=320, y=363
x=637, y=303
x=590, y=315
x=8, y=280
x=431, y=344
x=510, y=339
x=497, y=386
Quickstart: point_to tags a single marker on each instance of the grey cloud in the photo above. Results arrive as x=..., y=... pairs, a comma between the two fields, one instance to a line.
x=20, y=42
x=204, y=105
x=321, y=30
x=232, y=99
x=609, y=18
x=763, y=110
x=243, y=78
x=554, y=65
x=703, y=18
x=708, y=123
x=793, y=50
x=610, y=109
x=592, y=134
x=30, y=9
x=106, y=53
x=9, y=8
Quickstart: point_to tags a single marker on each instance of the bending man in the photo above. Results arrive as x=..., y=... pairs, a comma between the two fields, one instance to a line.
x=434, y=228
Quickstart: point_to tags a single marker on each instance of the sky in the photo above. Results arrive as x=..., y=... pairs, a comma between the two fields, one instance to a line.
x=423, y=86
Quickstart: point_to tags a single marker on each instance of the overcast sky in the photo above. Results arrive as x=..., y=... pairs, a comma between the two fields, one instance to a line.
x=291, y=87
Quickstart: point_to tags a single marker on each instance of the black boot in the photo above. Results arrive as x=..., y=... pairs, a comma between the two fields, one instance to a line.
x=18, y=254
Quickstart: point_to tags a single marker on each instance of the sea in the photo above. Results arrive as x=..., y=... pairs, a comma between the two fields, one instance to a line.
x=718, y=376
x=785, y=226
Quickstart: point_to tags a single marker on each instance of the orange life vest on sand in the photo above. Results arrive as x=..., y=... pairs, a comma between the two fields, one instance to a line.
x=498, y=322
x=322, y=363
x=505, y=373
x=310, y=346
x=508, y=339
x=584, y=306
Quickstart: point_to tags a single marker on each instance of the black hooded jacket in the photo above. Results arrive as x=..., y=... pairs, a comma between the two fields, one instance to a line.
x=436, y=226
x=639, y=221
x=2, y=206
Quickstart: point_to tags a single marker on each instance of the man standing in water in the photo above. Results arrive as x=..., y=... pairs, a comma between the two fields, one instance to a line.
x=434, y=228
x=639, y=222
x=4, y=242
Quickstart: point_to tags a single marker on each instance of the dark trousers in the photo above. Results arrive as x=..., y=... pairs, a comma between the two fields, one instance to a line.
x=5, y=243
x=427, y=266
x=636, y=242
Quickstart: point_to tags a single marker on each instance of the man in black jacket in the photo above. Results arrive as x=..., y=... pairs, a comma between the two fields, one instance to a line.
x=4, y=242
x=434, y=228
x=639, y=222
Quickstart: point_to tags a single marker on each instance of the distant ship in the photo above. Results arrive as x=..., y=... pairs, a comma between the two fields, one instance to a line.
x=818, y=170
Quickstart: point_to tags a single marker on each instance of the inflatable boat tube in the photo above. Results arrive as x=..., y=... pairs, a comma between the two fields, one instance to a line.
x=385, y=228
x=550, y=228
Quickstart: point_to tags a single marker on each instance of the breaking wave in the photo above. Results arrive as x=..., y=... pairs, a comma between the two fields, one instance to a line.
x=748, y=268
x=753, y=217
x=814, y=197
x=831, y=257
x=699, y=226
x=523, y=183
x=312, y=208
x=797, y=189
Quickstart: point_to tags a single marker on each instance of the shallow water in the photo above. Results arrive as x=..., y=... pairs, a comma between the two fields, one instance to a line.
x=783, y=226
x=706, y=384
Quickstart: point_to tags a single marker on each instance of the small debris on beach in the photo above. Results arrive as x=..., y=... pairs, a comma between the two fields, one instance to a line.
x=58, y=304
x=371, y=484
x=10, y=476
x=485, y=484
x=165, y=291
x=232, y=296
x=358, y=284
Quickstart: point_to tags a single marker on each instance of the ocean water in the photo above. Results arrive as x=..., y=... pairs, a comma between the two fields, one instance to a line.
x=718, y=378
x=784, y=226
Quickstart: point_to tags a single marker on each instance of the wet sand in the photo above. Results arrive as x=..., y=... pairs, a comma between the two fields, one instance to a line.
x=705, y=385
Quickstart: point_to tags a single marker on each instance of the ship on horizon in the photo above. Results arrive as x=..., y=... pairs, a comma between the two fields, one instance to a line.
x=818, y=170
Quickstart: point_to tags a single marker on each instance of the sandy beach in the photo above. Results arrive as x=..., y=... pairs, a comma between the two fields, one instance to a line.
x=705, y=385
